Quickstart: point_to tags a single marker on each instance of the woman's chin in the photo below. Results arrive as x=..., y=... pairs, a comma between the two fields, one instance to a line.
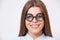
x=35, y=32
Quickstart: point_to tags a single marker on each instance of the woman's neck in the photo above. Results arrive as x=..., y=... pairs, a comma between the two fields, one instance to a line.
x=35, y=35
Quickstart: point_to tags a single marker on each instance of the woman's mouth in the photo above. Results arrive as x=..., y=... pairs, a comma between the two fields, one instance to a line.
x=35, y=26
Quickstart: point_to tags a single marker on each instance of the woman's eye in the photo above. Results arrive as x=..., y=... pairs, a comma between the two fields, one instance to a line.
x=39, y=16
x=29, y=16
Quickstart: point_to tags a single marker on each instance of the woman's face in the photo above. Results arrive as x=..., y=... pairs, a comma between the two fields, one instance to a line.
x=34, y=20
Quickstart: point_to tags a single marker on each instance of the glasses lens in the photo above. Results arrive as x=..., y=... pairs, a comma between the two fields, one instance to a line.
x=29, y=17
x=39, y=17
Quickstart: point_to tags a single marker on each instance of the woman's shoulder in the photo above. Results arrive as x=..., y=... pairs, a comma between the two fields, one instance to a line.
x=26, y=38
x=50, y=38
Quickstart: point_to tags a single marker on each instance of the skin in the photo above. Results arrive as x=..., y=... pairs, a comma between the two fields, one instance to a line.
x=35, y=27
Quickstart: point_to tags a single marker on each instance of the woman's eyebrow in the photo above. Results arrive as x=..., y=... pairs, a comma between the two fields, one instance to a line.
x=28, y=13
x=37, y=13
x=40, y=13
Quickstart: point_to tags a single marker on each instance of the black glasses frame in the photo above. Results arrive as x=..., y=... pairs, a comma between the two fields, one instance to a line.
x=41, y=14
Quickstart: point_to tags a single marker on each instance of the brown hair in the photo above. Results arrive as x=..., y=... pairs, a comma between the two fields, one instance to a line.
x=38, y=3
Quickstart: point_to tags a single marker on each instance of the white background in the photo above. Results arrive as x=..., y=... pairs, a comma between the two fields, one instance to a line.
x=10, y=13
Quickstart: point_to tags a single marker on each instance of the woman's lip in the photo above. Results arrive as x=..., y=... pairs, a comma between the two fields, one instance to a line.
x=34, y=26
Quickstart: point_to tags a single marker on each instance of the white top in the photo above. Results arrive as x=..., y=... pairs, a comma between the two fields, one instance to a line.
x=28, y=37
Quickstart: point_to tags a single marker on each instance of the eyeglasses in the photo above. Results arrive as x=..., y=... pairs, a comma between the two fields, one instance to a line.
x=39, y=17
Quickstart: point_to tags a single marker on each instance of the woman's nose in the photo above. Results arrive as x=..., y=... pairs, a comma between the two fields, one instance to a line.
x=34, y=20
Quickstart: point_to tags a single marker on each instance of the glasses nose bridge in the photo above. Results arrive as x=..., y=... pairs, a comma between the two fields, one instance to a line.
x=34, y=18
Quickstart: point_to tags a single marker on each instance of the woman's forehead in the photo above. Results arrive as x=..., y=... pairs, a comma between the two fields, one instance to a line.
x=34, y=10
